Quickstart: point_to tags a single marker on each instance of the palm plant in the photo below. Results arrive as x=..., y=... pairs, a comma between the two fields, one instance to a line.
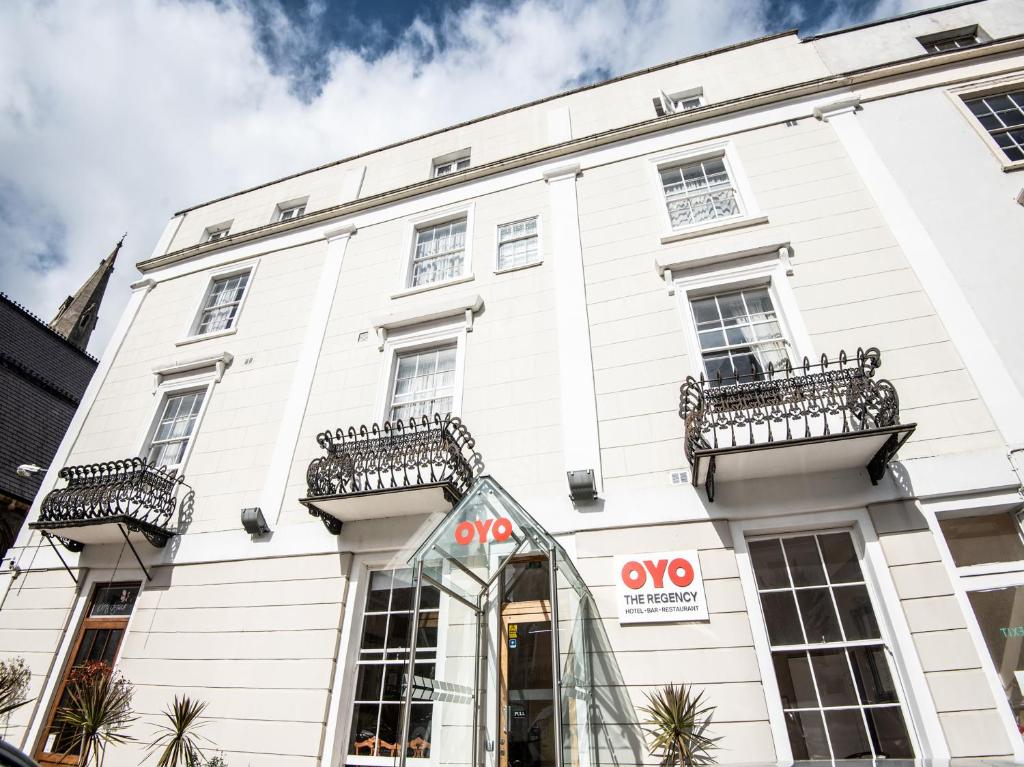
x=178, y=741
x=98, y=707
x=677, y=723
x=14, y=678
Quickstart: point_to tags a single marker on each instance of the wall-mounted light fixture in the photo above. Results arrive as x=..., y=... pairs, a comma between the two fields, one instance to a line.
x=582, y=485
x=27, y=470
x=253, y=521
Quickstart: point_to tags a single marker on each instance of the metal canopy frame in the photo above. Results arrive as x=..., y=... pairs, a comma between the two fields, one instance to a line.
x=542, y=543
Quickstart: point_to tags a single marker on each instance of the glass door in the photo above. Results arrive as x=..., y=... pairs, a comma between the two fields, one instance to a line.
x=528, y=704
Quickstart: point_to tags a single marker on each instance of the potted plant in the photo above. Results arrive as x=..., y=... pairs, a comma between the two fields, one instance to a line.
x=98, y=707
x=677, y=723
x=178, y=741
x=14, y=678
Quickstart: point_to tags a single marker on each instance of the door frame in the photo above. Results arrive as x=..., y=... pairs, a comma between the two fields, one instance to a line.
x=534, y=611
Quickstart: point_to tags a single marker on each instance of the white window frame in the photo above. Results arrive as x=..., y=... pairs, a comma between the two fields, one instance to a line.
x=750, y=214
x=345, y=683
x=422, y=338
x=283, y=207
x=190, y=335
x=210, y=231
x=668, y=100
x=992, y=87
x=204, y=378
x=916, y=701
x=422, y=221
x=979, y=578
x=497, y=245
x=767, y=272
x=448, y=159
x=973, y=30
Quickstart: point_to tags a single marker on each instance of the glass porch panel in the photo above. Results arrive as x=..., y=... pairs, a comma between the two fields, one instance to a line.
x=449, y=741
x=1000, y=614
x=575, y=693
x=470, y=545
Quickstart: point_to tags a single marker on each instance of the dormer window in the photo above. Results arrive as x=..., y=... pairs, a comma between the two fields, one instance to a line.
x=952, y=39
x=286, y=211
x=681, y=101
x=214, y=233
x=450, y=163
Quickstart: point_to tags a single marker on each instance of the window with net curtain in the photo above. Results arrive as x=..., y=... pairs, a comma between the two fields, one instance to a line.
x=740, y=335
x=700, y=192
x=220, y=309
x=439, y=253
x=174, y=428
x=424, y=384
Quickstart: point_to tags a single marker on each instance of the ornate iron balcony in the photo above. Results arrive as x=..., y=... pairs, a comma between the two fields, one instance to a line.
x=129, y=493
x=429, y=460
x=834, y=412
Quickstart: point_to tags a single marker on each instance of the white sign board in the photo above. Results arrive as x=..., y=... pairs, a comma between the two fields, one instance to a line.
x=660, y=588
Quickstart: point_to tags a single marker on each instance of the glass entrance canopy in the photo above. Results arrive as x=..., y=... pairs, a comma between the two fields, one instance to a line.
x=473, y=556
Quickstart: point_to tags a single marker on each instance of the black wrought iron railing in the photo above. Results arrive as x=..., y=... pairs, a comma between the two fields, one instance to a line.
x=395, y=455
x=132, y=491
x=802, y=401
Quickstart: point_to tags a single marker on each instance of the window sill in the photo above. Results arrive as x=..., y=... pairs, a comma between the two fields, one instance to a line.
x=432, y=286
x=207, y=336
x=519, y=268
x=1010, y=167
x=725, y=226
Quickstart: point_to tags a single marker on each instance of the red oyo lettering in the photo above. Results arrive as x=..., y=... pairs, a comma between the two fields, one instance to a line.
x=497, y=529
x=679, y=571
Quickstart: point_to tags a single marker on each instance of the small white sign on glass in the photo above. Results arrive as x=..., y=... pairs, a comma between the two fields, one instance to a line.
x=660, y=588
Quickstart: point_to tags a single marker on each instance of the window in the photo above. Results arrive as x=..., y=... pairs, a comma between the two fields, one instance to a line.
x=683, y=101
x=382, y=662
x=950, y=40
x=424, y=384
x=518, y=243
x=699, y=192
x=838, y=693
x=1002, y=115
x=174, y=428
x=439, y=253
x=999, y=613
x=215, y=233
x=222, y=302
x=98, y=641
x=983, y=539
x=289, y=210
x=739, y=335
x=444, y=166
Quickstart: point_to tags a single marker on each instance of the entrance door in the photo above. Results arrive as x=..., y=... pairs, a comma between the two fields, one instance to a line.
x=527, y=701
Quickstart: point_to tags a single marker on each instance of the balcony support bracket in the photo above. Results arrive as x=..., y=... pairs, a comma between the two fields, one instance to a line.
x=134, y=552
x=72, y=547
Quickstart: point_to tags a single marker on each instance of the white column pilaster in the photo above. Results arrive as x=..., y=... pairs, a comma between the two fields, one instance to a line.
x=993, y=381
x=272, y=495
x=580, y=441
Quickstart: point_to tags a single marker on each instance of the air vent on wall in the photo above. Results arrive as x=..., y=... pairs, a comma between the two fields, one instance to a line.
x=679, y=477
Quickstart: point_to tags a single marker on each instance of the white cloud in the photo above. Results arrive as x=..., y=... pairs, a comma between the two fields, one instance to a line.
x=114, y=115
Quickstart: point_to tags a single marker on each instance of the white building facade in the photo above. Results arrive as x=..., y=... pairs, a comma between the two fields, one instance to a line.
x=703, y=375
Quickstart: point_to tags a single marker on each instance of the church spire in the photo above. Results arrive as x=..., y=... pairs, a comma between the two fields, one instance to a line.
x=76, y=317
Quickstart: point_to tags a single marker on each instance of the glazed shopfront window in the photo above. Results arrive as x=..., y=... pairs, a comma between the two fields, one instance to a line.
x=1000, y=614
x=382, y=664
x=838, y=691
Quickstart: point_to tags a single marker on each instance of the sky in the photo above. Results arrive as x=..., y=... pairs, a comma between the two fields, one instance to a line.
x=114, y=115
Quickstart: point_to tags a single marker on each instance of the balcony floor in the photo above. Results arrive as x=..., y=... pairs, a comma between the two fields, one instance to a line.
x=795, y=456
x=102, y=531
x=415, y=500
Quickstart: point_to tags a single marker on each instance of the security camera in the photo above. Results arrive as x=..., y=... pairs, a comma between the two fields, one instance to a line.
x=28, y=470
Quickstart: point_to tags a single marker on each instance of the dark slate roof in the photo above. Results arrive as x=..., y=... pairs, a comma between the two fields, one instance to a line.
x=42, y=380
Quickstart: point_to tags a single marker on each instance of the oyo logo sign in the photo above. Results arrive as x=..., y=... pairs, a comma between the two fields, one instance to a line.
x=635, y=574
x=499, y=529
